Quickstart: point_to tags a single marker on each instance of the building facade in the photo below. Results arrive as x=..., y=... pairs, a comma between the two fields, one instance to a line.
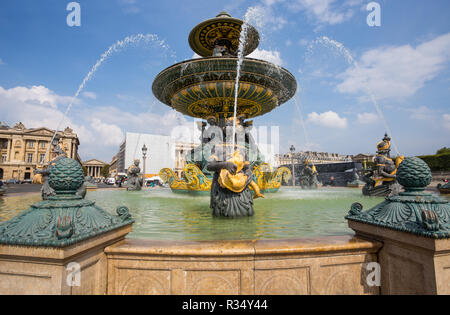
x=163, y=152
x=94, y=168
x=314, y=157
x=114, y=166
x=22, y=149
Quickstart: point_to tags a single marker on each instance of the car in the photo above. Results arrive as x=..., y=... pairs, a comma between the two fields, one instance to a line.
x=26, y=181
x=12, y=181
x=110, y=181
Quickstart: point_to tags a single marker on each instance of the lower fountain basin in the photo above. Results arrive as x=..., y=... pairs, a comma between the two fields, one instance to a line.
x=161, y=215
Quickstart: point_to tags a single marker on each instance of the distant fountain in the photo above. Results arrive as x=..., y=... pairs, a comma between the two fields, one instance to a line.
x=382, y=180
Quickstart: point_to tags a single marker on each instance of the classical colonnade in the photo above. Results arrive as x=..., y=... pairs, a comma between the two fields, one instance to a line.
x=94, y=171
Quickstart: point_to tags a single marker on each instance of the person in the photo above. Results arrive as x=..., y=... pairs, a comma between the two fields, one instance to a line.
x=332, y=182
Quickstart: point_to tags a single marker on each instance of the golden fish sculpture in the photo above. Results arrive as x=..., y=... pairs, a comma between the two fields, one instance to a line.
x=238, y=182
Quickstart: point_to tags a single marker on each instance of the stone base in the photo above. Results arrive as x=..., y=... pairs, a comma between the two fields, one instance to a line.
x=331, y=265
x=44, y=270
x=410, y=264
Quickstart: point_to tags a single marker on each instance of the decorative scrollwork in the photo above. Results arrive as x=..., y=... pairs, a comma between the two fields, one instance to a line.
x=430, y=220
x=123, y=213
x=355, y=209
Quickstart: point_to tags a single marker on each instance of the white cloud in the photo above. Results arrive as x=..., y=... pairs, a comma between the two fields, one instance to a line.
x=326, y=11
x=397, y=72
x=110, y=134
x=90, y=95
x=272, y=56
x=367, y=118
x=34, y=95
x=328, y=119
x=100, y=129
x=1, y=62
x=447, y=121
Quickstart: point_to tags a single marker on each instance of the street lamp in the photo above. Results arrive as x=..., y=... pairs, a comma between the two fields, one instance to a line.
x=144, y=156
x=293, y=169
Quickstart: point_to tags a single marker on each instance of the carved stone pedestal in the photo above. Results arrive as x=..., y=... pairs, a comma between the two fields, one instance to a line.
x=57, y=245
x=46, y=270
x=410, y=264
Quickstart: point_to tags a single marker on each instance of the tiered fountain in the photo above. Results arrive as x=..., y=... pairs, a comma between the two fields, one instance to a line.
x=205, y=88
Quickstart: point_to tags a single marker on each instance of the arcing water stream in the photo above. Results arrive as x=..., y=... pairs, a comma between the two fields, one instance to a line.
x=133, y=39
x=327, y=42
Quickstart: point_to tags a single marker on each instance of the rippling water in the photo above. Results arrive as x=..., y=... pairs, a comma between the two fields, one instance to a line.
x=162, y=215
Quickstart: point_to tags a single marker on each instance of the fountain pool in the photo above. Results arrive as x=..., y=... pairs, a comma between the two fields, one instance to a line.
x=162, y=215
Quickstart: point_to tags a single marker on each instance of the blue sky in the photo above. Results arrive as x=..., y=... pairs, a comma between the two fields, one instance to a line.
x=403, y=64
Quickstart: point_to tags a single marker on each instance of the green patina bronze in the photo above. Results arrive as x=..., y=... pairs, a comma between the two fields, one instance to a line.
x=65, y=218
x=414, y=210
x=205, y=87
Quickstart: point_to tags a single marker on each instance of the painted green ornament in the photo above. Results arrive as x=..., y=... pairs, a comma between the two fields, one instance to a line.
x=66, y=177
x=64, y=219
x=414, y=210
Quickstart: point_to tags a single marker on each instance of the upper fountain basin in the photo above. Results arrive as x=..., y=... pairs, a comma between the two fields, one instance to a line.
x=205, y=87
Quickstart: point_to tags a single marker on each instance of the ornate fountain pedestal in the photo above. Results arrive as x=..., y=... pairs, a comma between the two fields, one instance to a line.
x=57, y=246
x=414, y=228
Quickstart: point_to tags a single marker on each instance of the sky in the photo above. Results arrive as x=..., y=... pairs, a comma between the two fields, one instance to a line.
x=345, y=69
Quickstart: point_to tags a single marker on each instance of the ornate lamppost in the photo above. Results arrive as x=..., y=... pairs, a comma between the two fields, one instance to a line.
x=292, y=159
x=144, y=157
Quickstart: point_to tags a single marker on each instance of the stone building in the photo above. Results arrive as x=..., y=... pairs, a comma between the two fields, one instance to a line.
x=181, y=150
x=364, y=159
x=94, y=168
x=163, y=152
x=314, y=157
x=23, y=149
x=114, y=166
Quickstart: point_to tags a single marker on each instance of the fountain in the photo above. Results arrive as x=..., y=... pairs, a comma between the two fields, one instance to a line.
x=206, y=88
x=308, y=176
x=382, y=180
x=134, y=180
x=184, y=250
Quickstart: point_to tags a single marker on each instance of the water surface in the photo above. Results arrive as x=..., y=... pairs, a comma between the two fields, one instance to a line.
x=162, y=215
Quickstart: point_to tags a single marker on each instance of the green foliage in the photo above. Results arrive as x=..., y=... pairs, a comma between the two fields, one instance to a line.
x=85, y=170
x=105, y=171
x=444, y=150
x=438, y=162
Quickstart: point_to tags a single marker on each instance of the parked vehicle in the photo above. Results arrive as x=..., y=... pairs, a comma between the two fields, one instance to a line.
x=110, y=181
x=13, y=181
x=27, y=181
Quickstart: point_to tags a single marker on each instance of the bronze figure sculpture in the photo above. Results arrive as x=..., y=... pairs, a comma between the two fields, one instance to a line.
x=382, y=180
x=134, y=180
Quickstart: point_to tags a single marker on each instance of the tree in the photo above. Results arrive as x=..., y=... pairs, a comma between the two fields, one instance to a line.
x=84, y=170
x=105, y=171
x=444, y=150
